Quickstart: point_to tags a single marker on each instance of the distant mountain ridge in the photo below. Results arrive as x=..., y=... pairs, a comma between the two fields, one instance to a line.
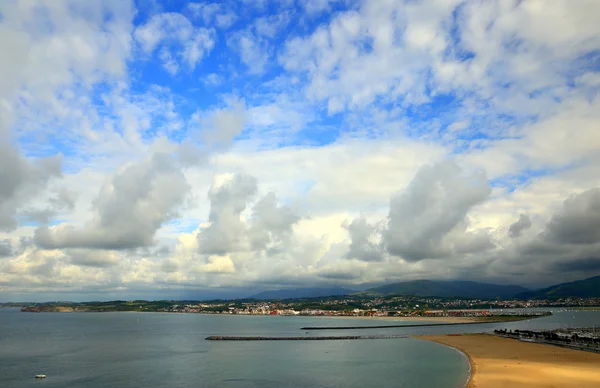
x=296, y=293
x=586, y=288
x=447, y=289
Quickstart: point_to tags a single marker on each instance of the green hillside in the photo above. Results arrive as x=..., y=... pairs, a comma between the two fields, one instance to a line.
x=586, y=288
x=447, y=289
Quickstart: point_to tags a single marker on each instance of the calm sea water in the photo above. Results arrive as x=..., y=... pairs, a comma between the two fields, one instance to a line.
x=100, y=350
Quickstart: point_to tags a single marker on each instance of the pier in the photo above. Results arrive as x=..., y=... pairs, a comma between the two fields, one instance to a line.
x=391, y=326
x=305, y=338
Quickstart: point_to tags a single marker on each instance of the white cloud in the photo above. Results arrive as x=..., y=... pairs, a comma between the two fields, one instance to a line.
x=354, y=59
x=214, y=13
x=253, y=50
x=130, y=207
x=177, y=38
x=270, y=26
x=213, y=79
x=315, y=7
x=219, y=264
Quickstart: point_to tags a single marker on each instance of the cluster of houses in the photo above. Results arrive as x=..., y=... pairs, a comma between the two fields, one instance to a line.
x=267, y=309
x=456, y=313
x=305, y=312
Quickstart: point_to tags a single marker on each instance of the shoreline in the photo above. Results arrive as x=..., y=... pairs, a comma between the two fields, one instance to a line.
x=497, y=362
x=469, y=364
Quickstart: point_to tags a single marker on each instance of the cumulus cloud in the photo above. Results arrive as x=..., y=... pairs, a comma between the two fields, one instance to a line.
x=362, y=245
x=92, y=258
x=6, y=248
x=222, y=125
x=578, y=222
x=523, y=223
x=130, y=207
x=62, y=200
x=567, y=243
x=270, y=222
x=219, y=264
x=429, y=219
x=21, y=180
x=228, y=199
x=267, y=227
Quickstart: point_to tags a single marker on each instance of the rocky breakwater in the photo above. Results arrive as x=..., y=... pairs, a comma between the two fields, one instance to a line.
x=305, y=338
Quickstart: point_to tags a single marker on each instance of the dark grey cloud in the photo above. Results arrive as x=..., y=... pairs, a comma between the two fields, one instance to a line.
x=92, y=258
x=522, y=224
x=20, y=180
x=6, y=247
x=578, y=221
x=567, y=248
x=130, y=207
x=429, y=218
x=151, y=251
x=463, y=242
x=590, y=265
x=339, y=275
x=169, y=266
x=362, y=247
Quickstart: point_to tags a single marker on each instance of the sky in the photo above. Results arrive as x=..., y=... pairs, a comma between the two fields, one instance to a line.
x=171, y=149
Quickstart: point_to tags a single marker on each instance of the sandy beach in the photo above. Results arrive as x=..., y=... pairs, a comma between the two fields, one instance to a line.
x=502, y=363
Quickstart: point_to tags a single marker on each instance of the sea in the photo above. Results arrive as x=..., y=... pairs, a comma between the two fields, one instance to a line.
x=127, y=350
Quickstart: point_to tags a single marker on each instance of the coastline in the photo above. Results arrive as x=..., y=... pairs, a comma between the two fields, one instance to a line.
x=441, y=320
x=470, y=365
x=497, y=362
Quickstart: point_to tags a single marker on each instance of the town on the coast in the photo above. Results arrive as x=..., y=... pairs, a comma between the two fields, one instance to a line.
x=399, y=306
x=423, y=298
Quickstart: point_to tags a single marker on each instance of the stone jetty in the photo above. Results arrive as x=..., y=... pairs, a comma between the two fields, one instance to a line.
x=305, y=338
x=392, y=326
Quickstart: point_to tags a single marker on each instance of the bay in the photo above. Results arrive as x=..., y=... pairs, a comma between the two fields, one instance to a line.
x=98, y=350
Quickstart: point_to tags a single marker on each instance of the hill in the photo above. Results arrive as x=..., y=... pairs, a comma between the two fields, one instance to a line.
x=586, y=288
x=295, y=293
x=447, y=289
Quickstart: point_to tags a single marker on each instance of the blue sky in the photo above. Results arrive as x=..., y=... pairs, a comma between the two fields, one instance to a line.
x=169, y=146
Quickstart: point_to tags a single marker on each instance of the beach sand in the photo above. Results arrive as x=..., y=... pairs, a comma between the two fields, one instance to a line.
x=502, y=363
